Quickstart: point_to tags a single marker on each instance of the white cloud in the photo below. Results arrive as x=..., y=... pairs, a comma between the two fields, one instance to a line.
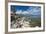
x=18, y=11
x=25, y=12
x=33, y=11
x=22, y=12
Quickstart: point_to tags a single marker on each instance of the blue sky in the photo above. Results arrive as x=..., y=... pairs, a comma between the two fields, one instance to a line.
x=23, y=8
x=34, y=10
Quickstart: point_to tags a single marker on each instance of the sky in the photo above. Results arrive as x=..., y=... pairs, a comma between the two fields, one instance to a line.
x=34, y=10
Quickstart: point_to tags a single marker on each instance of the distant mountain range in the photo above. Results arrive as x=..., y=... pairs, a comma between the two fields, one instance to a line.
x=27, y=15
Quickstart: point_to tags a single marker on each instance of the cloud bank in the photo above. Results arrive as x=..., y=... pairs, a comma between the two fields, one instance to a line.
x=33, y=11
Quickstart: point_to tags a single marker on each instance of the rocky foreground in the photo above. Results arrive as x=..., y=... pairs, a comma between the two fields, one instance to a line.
x=20, y=23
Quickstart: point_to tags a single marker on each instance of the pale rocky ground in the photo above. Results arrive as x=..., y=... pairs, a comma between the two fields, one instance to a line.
x=21, y=22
